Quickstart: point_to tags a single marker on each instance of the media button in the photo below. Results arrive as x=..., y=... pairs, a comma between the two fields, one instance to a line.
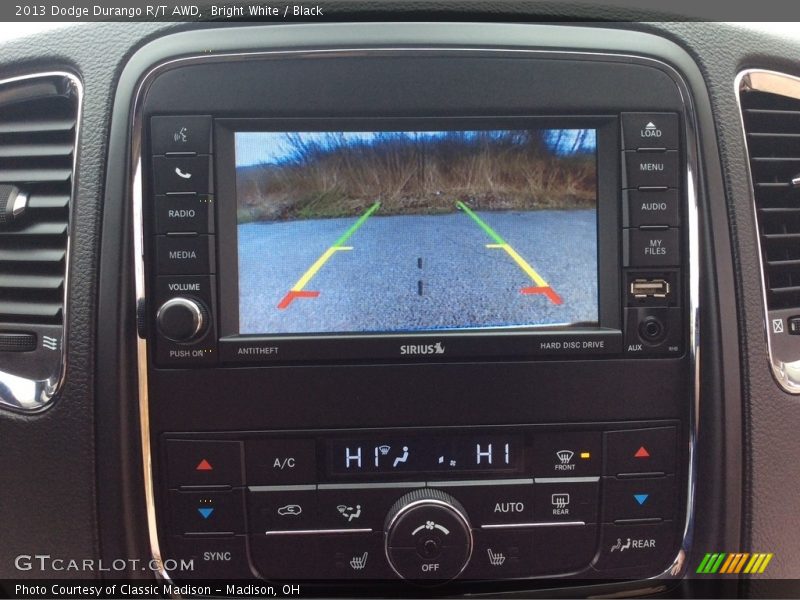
x=566, y=501
x=210, y=511
x=650, y=130
x=290, y=508
x=185, y=254
x=183, y=174
x=197, y=463
x=567, y=454
x=181, y=134
x=280, y=461
x=651, y=169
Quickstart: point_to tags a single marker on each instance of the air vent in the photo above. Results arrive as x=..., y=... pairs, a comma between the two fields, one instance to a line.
x=770, y=105
x=38, y=136
x=37, y=144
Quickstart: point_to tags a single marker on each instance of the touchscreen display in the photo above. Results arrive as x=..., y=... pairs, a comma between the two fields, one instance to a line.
x=409, y=231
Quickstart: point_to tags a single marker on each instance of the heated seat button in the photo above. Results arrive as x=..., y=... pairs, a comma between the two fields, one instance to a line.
x=352, y=556
x=650, y=130
x=181, y=134
x=210, y=557
x=182, y=174
x=185, y=254
x=567, y=454
x=193, y=213
x=566, y=501
x=280, y=461
x=649, y=547
x=211, y=511
x=641, y=451
x=291, y=508
x=563, y=549
x=356, y=507
x=638, y=498
x=197, y=463
x=496, y=504
x=501, y=553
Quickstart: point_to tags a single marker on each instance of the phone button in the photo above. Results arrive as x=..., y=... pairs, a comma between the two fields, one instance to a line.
x=182, y=174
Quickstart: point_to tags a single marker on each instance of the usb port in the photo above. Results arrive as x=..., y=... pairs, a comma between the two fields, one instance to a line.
x=650, y=288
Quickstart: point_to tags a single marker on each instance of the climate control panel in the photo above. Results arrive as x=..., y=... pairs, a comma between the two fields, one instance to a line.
x=426, y=505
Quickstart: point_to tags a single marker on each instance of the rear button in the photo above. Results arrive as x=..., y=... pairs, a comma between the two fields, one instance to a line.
x=645, y=546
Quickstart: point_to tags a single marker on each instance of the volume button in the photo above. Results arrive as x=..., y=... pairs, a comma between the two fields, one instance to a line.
x=182, y=319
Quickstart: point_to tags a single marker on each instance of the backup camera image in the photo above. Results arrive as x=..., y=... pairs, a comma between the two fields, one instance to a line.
x=406, y=231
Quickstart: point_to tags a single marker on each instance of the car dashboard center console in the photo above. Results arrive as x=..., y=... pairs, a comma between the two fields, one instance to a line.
x=419, y=310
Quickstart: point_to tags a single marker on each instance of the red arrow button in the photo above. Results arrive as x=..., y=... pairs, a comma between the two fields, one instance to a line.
x=642, y=453
x=204, y=465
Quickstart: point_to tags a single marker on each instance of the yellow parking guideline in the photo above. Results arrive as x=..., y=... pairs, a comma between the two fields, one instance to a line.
x=312, y=270
x=523, y=264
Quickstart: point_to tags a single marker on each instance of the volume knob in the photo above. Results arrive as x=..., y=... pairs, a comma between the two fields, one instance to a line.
x=182, y=319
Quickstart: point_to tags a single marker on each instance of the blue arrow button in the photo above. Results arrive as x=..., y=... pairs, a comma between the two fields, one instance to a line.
x=641, y=498
x=205, y=512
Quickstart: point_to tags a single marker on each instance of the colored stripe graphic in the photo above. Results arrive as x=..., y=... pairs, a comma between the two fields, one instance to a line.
x=702, y=567
x=541, y=287
x=734, y=563
x=297, y=290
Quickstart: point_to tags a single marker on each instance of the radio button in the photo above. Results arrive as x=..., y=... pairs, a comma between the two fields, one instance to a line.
x=568, y=454
x=641, y=451
x=650, y=130
x=567, y=501
x=192, y=213
x=185, y=254
x=182, y=174
x=651, y=248
x=356, y=508
x=638, y=498
x=650, y=207
x=196, y=463
x=211, y=511
x=496, y=504
x=213, y=557
x=280, y=461
x=181, y=134
x=643, y=546
x=651, y=169
x=289, y=509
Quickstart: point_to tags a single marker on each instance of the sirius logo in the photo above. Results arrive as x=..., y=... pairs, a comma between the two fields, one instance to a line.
x=436, y=348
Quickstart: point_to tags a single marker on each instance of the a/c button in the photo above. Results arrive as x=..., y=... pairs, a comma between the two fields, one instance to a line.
x=280, y=461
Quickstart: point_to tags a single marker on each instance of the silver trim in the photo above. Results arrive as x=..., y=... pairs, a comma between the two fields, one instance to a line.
x=534, y=524
x=20, y=203
x=786, y=374
x=471, y=482
x=692, y=155
x=317, y=531
x=566, y=479
x=371, y=486
x=282, y=488
x=28, y=395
